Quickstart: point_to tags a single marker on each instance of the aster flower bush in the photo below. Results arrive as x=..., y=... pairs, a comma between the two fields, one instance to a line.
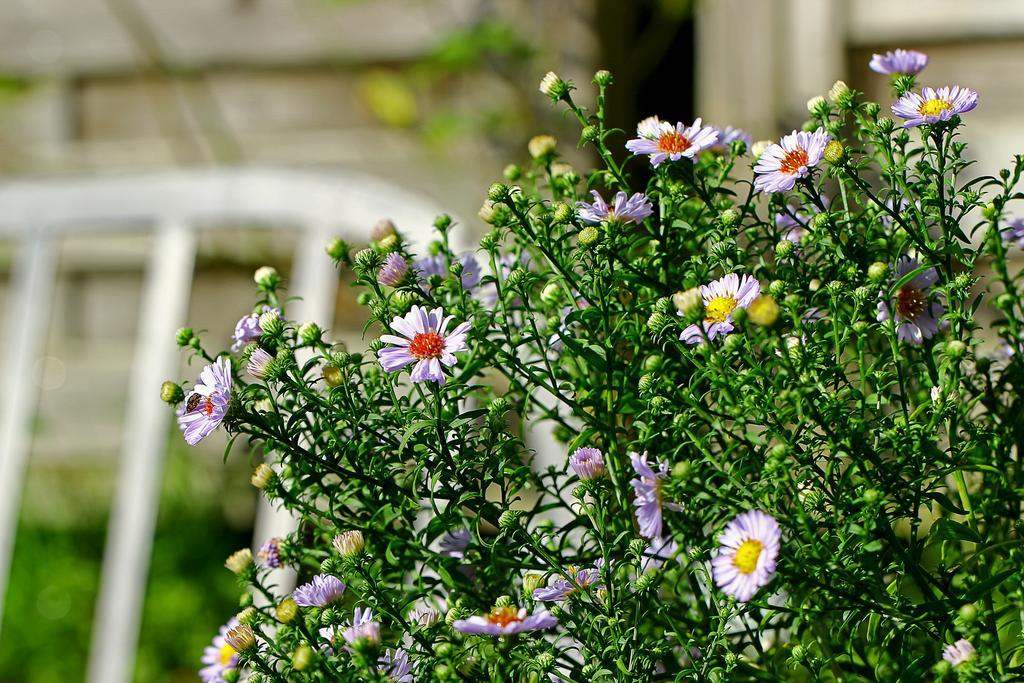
x=785, y=379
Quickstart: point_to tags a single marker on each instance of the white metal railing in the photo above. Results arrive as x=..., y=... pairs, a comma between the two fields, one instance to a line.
x=174, y=205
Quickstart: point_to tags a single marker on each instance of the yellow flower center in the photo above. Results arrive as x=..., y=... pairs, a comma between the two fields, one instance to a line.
x=226, y=653
x=718, y=309
x=673, y=143
x=934, y=107
x=746, y=556
x=503, y=616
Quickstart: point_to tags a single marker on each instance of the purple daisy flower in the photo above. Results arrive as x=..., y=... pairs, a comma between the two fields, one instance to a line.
x=792, y=158
x=219, y=657
x=622, y=210
x=648, y=497
x=562, y=588
x=934, y=106
x=587, y=463
x=899, y=62
x=322, y=590
x=454, y=543
x=207, y=404
x=917, y=315
x=425, y=341
x=1013, y=233
x=363, y=629
x=663, y=141
x=248, y=329
x=721, y=298
x=270, y=553
x=396, y=666
x=438, y=265
x=746, y=559
x=959, y=652
x=393, y=270
x=505, y=621
x=729, y=135
x=259, y=361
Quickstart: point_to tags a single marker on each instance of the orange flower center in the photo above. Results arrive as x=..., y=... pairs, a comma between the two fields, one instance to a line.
x=426, y=345
x=934, y=107
x=747, y=555
x=910, y=302
x=673, y=143
x=793, y=161
x=503, y=616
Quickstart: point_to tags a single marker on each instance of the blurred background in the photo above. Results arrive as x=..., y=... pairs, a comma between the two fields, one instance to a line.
x=429, y=98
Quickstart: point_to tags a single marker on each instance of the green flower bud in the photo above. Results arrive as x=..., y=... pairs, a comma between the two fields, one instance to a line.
x=588, y=236
x=388, y=243
x=497, y=192
x=512, y=173
x=267, y=279
x=645, y=581
x=509, y=519
x=271, y=324
x=776, y=288
x=337, y=249
x=503, y=601
x=955, y=349
x=590, y=133
x=183, y=337
x=240, y=562
x=821, y=220
x=834, y=152
x=603, y=78
x=658, y=322
x=443, y=222
x=263, y=477
x=541, y=147
x=309, y=333
x=563, y=213
x=367, y=261
x=968, y=613
x=171, y=393
x=551, y=294
x=516, y=278
x=653, y=363
x=871, y=109
x=554, y=87
x=729, y=218
x=878, y=271
x=302, y=657
x=784, y=248
x=248, y=616
x=645, y=383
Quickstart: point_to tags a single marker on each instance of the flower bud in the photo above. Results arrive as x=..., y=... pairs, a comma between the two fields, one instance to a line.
x=553, y=86
x=763, y=311
x=784, y=248
x=383, y=228
x=486, y=211
x=498, y=407
x=349, y=544
x=309, y=333
x=729, y=217
x=817, y=106
x=955, y=349
x=531, y=582
x=590, y=133
x=838, y=89
x=688, y=301
x=171, y=393
x=541, y=146
x=262, y=477
x=871, y=109
x=240, y=562
x=551, y=293
x=302, y=657
x=603, y=78
x=267, y=278
x=588, y=236
x=658, y=322
x=337, y=249
x=241, y=637
x=333, y=375
x=497, y=192
x=877, y=271
x=271, y=323
x=509, y=519
x=760, y=147
x=834, y=152
x=645, y=383
x=562, y=213
x=367, y=261
x=286, y=610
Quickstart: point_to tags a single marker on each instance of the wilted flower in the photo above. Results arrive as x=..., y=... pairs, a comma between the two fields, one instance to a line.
x=207, y=404
x=248, y=329
x=648, y=497
x=959, y=652
x=220, y=657
x=393, y=270
x=721, y=298
x=934, y=106
x=425, y=341
x=349, y=544
x=746, y=559
x=587, y=463
x=899, y=62
x=782, y=164
x=562, y=588
x=396, y=666
x=270, y=553
x=662, y=141
x=917, y=314
x=622, y=210
x=323, y=589
x=505, y=621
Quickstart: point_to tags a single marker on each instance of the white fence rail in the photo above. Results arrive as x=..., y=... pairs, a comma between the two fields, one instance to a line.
x=175, y=206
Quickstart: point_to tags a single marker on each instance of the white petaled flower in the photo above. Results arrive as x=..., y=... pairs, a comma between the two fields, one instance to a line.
x=934, y=105
x=959, y=652
x=746, y=559
x=663, y=141
x=721, y=298
x=781, y=165
x=550, y=85
x=425, y=341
